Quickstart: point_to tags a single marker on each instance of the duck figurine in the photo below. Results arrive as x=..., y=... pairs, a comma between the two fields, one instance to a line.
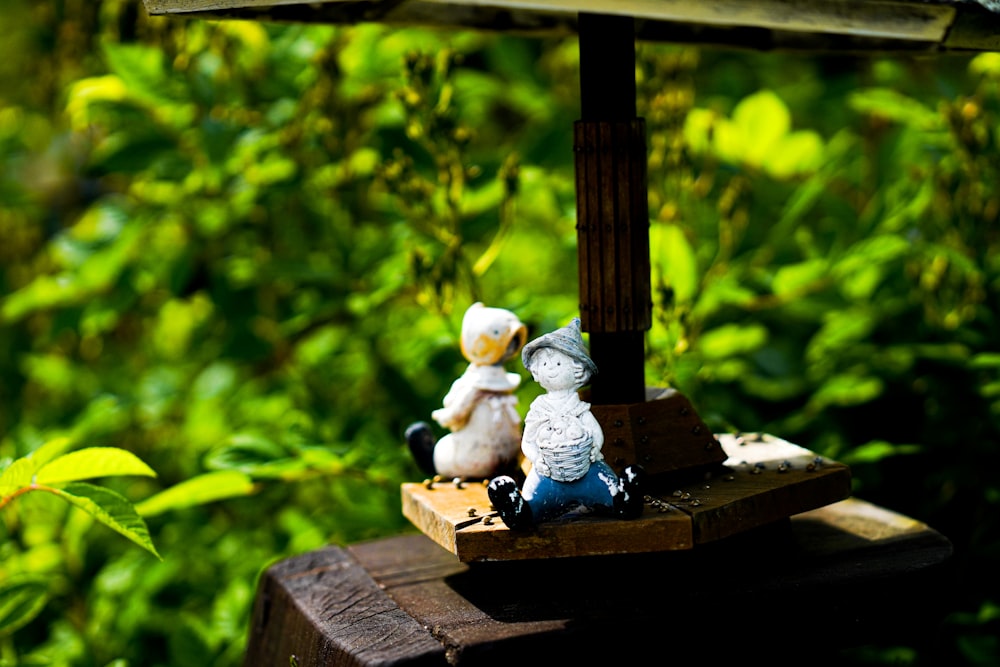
x=480, y=409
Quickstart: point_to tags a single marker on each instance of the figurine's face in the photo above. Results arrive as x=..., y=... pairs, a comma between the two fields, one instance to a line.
x=555, y=371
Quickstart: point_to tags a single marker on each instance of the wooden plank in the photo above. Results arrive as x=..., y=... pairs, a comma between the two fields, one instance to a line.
x=925, y=20
x=442, y=513
x=829, y=26
x=765, y=480
x=845, y=574
x=323, y=608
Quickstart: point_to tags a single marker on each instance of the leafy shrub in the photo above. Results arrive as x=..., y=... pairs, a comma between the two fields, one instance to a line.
x=240, y=251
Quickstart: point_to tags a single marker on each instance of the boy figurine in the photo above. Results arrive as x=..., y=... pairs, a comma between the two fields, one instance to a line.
x=562, y=440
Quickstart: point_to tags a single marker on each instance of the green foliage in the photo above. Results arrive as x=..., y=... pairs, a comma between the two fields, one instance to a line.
x=237, y=254
x=52, y=470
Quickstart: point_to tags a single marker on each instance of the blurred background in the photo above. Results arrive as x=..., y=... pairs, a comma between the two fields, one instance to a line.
x=242, y=252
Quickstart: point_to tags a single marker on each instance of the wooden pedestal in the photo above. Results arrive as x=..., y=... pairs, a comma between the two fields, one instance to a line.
x=764, y=480
x=796, y=592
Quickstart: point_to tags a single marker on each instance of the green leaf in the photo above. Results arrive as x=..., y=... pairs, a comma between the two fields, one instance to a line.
x=763, y=120
x=732, y=339
x=795, y=279
x=144, y=72
x=50, y=451
x=796, y=153
x=19, y=473
x=894, y=106
x=92, y=462
x=198, y=491
x=986, y=64
x=111, y=509
x=245, y=452
x=15, y=476
x=674, y=260
x=985, y=360
x=840, y=330
x=21, y=599
x=876, y=450
x=698, y=129
x=847, y=389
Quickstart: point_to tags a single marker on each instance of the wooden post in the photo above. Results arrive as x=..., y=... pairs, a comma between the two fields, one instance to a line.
x=612, y=210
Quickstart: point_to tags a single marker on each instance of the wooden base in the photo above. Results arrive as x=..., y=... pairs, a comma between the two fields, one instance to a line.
x=798, y=592
x=764, y=480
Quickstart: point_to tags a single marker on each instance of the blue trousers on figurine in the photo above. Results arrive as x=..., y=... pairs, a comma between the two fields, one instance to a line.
x=549, y=498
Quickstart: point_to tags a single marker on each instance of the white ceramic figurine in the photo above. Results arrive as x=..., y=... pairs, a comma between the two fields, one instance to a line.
x=480, y=410
x=563, y=441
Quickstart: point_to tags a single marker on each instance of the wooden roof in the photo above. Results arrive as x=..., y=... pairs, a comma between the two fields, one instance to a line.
x=863, y=26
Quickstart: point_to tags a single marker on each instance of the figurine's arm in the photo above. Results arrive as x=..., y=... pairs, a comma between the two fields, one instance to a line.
x=458, y=406
x=591, y=424
x=529, y=444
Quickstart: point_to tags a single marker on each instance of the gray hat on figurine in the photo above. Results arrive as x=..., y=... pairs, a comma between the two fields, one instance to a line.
x=568, y=340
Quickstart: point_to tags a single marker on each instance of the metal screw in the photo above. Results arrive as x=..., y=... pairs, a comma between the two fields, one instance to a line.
x=488, y=521
x=458, y=483
x=472, y=511
x=429, y=483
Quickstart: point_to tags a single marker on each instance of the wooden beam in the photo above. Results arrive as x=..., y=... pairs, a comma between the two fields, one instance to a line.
x=612, y=210
x=855, y=26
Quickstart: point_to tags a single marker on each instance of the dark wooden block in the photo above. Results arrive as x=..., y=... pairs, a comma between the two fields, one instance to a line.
x=792, y=593
x=664, y=435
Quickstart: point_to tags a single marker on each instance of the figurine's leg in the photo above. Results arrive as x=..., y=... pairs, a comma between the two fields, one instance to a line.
x=629, y=499
x=509, y=503
x=421, y=441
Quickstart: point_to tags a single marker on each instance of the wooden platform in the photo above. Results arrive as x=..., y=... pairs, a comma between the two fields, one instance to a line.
x=764, y=480
x=904, y=26
x=802, y=591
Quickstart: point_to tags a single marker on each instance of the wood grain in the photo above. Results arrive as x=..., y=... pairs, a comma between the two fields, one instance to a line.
x=765, y=480
x=322, y=608
x=796, y=592
x=858, y=26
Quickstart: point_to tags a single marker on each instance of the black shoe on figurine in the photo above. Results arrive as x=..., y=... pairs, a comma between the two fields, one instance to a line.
x=421, y=441
x=509, y=503
x=629, y=500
